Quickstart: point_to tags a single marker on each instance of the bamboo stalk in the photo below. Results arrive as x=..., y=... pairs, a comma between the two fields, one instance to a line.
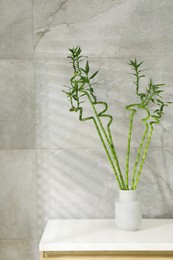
x=129, y=146
x=139, y=156
x=102, y=141
x=144, y=155
x=111, y=147
x=140, y=146
x=110, y=140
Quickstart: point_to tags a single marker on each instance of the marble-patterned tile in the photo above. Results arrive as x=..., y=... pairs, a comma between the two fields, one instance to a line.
x=59, y=128
x=17, y=194
x=156, y=184
x=16, y=29
x=103, y=28
x=18, y=249
x=163, y=27
x=148, y=29
x=95, y=25
x=17, y=106
x=79, y=183
x=73, y=183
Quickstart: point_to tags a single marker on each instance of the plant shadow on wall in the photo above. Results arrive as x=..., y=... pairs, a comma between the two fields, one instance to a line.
x=150, y=102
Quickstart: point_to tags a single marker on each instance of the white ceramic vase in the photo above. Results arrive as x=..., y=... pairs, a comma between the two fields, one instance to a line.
x=128, y=211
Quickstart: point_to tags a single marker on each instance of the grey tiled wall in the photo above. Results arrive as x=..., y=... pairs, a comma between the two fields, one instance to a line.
x=51, y=164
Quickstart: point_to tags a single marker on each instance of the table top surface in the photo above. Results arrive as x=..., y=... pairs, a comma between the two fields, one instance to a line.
x=102, y=235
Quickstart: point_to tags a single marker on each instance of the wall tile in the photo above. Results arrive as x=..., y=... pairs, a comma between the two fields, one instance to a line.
x=73, y=183
x=17, y=194
x=79, y=183
x=156, y=184
x=18, y=249
x=103, y=28
x=16, y=29
x=75, y=11
x=95, y=25
x=148, y=29
x=57, y=127
x=17, y=106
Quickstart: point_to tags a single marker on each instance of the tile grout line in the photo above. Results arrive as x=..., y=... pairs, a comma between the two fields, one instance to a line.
x=35, y=103
x=78, y=148
x=91, y=57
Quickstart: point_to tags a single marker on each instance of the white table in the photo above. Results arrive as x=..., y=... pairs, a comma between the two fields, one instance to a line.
x=100, y=239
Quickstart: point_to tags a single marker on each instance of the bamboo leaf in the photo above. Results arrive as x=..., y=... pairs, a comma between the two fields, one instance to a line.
x=158, y=95
x=82, y=95
x=138, y=65
x=142, y=70
x=67, y=93
x=81, y=88
x=78, y=51
x=158, y=100
x=71, y=50
x=87, y=67
x=159, y=85
x=75, y=97
x=82, y=70
x=84, y=79
x=94, y=75
x=75, y=85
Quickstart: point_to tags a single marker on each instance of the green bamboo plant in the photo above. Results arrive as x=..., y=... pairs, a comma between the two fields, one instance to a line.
x=81, y=90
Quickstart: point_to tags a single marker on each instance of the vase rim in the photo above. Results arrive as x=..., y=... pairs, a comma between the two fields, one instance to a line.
x=127, y=195
x=128, y=190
